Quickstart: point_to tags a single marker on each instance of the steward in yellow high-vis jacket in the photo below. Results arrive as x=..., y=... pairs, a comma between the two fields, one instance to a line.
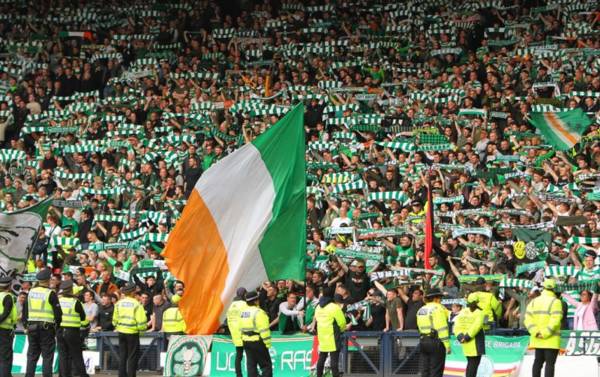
x=68, y=337
x=488, y=303
x=417, y=215
x=8, y=320
x=42, y=315
x=331, y=322
x=233, y=323
x=172, y=320
x=432, y=321
x=542, y=319
x=129, y=319
x=256, y=337
x=468, y=329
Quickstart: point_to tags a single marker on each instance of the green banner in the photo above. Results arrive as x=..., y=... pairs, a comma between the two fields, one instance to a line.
x=351, y=254
x=291, y=356
x=580, y=343
x=20, y=357
x=503, y=356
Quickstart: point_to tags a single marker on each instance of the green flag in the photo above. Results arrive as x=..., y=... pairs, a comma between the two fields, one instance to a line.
x=561, y=129
x=533, y=243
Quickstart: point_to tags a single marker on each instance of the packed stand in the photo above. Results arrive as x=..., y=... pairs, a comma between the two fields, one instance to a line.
x=116, y=109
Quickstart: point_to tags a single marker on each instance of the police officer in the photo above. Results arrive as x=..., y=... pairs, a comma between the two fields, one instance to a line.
x=488, y=303
x=129, y=319
x=432, y=321
x=42, y=315
x=468, y=329
x=233, y=322
x=8, y=320
x=172, y=321
x=68, y=338
x=542, y=320
x=331, y=322
x=256, y=337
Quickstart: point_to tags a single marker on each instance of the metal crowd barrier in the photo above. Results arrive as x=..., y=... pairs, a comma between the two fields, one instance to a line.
x=364, y=353
x=106, y=343
x=383, y=354
x=151, y=345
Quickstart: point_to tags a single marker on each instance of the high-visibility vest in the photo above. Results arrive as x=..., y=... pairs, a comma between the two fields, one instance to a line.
x=418, y=217
x=254, y=325
x=38, y=305
x=432, y=319
x=470, y=323
x=330, y=320
x=172, y=320
x=129, y=316
x=70, y=318
x=10, y=321
x=491, y=307
x=544, y=316
x=233, y=321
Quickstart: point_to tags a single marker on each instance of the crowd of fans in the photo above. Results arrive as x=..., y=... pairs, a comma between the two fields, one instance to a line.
x=115, y=109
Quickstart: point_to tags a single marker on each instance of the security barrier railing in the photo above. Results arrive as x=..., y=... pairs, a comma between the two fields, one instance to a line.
x=151, y=345
x=383, y=354
x=364, y=353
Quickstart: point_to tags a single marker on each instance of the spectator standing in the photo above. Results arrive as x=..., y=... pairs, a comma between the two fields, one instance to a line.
x=105, y=314
x=91, y=309
x=412, y=305
x=270, y=303
x=290, y=317
x=394, y=311
x=376, y=322
x=159, y=306
x=106, y=286
x=585, y=309
x=308, y=304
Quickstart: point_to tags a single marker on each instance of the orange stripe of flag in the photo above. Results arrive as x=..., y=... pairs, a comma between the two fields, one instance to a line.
x=556, y=125
x=197, y=256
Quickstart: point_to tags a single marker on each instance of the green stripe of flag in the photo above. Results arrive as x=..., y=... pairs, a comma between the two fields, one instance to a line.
x=283, y=245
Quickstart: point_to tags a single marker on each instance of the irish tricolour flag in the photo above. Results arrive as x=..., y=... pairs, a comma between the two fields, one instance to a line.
x=243, y=224
x=561, y=129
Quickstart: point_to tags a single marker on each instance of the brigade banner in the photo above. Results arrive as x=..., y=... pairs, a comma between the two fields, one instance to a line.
x=291, y=356
x=580, y=343
x=503, y=357
x=20, y=345
x=186, y=355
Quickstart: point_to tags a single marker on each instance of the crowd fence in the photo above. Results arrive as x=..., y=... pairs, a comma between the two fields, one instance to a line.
x=364, y=353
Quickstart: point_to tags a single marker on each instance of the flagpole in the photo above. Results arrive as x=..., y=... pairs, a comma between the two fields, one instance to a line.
x=428, y=223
